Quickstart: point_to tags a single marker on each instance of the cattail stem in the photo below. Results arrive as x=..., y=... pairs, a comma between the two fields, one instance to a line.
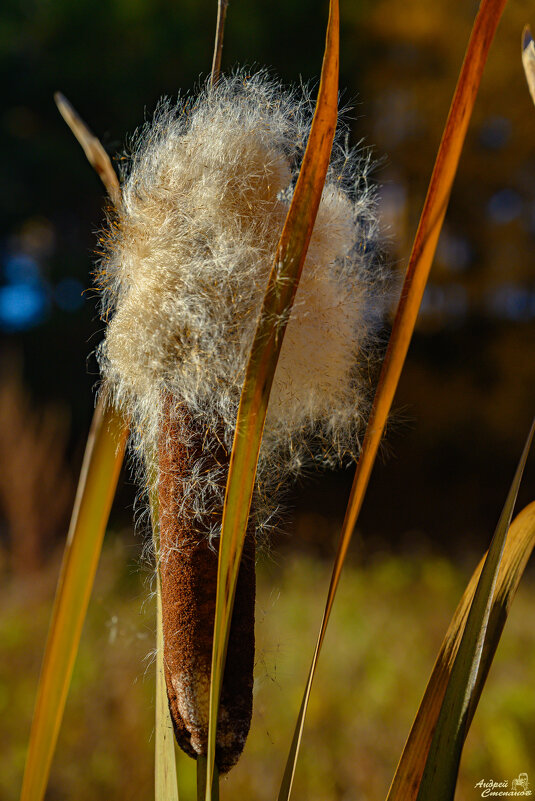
x=188, y=570
x=222, y=6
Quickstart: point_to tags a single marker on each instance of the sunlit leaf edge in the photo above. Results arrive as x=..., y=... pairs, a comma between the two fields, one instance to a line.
x=411, y=296
x=518, y=548
x=262, y=363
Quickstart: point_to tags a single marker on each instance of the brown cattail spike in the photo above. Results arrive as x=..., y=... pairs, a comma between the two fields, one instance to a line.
x=183, y=274
x=188, y=568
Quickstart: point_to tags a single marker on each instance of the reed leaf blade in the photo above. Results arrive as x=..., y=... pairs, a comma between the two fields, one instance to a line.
x=92, y=147
x=517, y=551
x=96, y=489
x=266, y=346
x=165, y=776
x=421, y=258
x=165, y=773
x=442, y=765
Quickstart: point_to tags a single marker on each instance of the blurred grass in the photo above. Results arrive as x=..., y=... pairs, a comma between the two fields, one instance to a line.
x=388, y=623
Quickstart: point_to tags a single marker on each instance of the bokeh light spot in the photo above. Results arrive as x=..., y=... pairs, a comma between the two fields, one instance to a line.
x=22, y=306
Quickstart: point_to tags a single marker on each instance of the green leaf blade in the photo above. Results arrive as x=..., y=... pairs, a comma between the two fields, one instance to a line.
x=420, y=262
x=165, y=773
x=261, y=367
x=442, y=765
x=518, y=548
x=96, y=489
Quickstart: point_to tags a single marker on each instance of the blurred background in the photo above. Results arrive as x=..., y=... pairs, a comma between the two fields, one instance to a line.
x=462, y=411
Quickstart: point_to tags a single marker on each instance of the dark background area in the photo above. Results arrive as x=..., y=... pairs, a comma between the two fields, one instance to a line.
x=467, y=394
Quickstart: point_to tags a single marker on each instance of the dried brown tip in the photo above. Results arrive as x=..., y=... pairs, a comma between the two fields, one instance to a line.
x=188, y=570
x=95, y=153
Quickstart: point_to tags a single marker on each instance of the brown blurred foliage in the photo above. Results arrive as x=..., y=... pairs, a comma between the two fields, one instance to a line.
x=415, y=50
x=467, y=394
x=36, y=486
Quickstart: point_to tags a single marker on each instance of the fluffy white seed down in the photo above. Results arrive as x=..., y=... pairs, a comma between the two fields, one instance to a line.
x=205, y=196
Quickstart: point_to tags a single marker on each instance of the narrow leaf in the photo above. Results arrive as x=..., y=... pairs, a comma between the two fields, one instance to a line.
x=518, y=547
x=442, y=764
x=96, y=488
x=528, y=59
x=165, y=778
x=96, y=155
x=422, y=255
x=201, y=780
x=265, y=351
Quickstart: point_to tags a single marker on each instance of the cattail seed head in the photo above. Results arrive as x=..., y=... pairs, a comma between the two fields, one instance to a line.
x=187, y=263
x=184, y=274
x=188, y=571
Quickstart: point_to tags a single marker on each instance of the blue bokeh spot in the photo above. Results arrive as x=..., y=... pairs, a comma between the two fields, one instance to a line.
x=22, y=306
